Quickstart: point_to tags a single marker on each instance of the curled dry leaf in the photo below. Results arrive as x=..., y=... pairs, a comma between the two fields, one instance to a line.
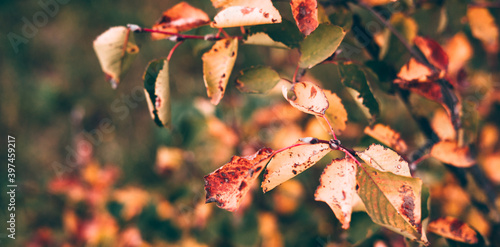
x=337, y=187
x=384, y=159
x=306, y=97
x=449, y=152
x=115, y=49
x=228, y=185
x=454, y=229
x=387, y=136
x=182, y=17
x=392, y=201
x=217, y=66
x=305, y=13
x=483, y=27
x=292, y=161
x=246, y=13
x=157, y=89
x=336, y=113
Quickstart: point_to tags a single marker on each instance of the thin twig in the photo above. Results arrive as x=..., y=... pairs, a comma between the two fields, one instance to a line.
x=173, y=49
x=187, y=36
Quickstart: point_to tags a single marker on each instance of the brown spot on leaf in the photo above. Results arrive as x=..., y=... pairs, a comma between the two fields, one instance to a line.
x=246, y=11
x=266, y=15
x=242, y=185
x=313, y=92
x=294, y=172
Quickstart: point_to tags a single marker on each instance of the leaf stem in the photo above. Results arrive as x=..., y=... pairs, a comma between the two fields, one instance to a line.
x=330, y=126
x=173, y=49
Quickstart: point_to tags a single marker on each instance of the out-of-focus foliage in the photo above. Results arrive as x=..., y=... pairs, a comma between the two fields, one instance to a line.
x=94, y=170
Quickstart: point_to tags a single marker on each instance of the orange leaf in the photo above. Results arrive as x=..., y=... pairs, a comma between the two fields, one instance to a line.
x=483, y=27
x=227, y=185
x=306, y=97
x=292, y=161
x=181, y=17
x=459, y=51
x=305, y=13
x=337, y=187
x=454, y=229
x=442, y=126
x=387, y=136
x=449, y=152
x=336, y=113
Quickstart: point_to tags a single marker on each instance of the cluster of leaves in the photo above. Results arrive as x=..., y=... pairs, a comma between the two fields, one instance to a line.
x=378, y=177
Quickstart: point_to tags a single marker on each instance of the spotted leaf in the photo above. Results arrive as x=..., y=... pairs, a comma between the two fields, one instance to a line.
x=307, y=97
x=217, y=66
x=229, y=184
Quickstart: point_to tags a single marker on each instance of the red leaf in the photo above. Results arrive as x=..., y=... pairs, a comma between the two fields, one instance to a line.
x=227, y=185
x=305, y=13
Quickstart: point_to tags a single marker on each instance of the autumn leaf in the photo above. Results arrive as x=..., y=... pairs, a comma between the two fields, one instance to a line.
x=392, y=201
x=181, y=17
x=246, y=13
x=354, y=77
x=483, y=27
x=450, y=153
x=292, y=161
x=157, y=89
x=217, y=66
x=133, y=200
x=258, y=79
x=320, y=44
x=433, y=51
x=337, y=187
x=306, y=97
x=377, y=2
x=442, y=126
x=305, y=13
x=459, y=51
x=454, y=229
x=384, y=159
x=387, y=136
x=115, y=49
x=228, y=185
x=335, y=113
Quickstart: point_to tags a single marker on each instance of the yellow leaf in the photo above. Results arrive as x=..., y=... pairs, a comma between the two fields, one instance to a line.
x=306, y=97
x=235, y=16
x=115, y=50
x=387, y=136
x=292, y=161
x=336, y=113
x=217, y=66
x=337, y=188
x=384, y=159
